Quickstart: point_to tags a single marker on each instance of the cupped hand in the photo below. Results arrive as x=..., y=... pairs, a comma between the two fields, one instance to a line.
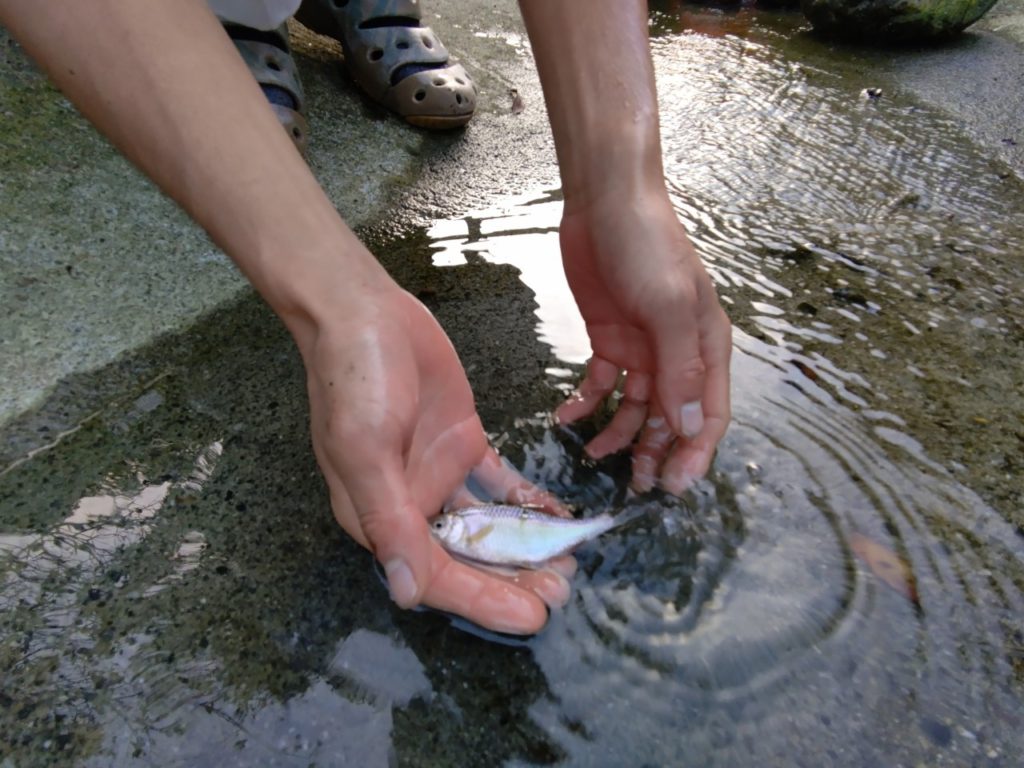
x=652, y=314
x=396, y=433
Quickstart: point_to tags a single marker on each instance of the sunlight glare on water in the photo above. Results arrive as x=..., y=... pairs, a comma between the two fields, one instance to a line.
x=522, y=232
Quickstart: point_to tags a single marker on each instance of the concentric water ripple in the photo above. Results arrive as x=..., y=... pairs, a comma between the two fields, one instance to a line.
x=754, y=604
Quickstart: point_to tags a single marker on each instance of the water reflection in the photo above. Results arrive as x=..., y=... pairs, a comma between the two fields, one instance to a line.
x=833, y=590
x=522, y=232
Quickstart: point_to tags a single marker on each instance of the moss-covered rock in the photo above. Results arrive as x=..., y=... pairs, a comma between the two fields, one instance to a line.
x=888, y=21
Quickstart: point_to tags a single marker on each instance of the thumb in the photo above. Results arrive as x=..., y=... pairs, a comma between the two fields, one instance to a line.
x=392, y=523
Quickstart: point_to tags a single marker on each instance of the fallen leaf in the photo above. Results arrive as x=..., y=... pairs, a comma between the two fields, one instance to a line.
x=892, y=569
x=805, y=369
x=518, y=105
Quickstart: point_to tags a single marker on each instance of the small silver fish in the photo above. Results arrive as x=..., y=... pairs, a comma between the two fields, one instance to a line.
x=498, y=534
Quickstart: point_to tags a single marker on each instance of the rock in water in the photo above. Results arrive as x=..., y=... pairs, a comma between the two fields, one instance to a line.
x=891, y=21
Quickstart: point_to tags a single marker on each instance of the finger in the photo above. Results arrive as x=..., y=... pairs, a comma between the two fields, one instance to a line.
x=651, y=449
x=437, y=466
x=565, y=565
x=462, y=498
x=501, y=481
x=681, y=368
x=490, y=601
x=680, y=470
x=637, y=387
x=627, y=421
x=691, y=461
x=717, y=350
x=547, y=584
x=598, y=382
x=391, y=522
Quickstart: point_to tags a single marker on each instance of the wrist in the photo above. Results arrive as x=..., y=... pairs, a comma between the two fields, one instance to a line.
x=623, y=162
x=635, y=187
x=319, y=280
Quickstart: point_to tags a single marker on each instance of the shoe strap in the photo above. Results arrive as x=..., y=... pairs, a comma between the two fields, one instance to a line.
x=366, y=10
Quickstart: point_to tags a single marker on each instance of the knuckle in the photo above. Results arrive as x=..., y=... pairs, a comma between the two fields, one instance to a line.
x=691, y=369
x=620, y=433
x=655, y=442
x=687, y=293
x=347, y=427
x=376, y=527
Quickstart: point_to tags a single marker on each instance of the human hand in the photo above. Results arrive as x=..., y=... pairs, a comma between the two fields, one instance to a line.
x=651, y=311
x=395, y=432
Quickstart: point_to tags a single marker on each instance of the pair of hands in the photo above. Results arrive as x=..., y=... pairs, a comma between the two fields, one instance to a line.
x=395, y=428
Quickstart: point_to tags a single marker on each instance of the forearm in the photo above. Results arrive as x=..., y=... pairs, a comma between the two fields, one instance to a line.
x=162, y=81
x=594, y=61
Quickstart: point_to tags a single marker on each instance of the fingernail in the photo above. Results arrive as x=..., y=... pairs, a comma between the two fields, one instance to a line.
x=691, y=418
x=677, y=485
x=401, y=583
x=642, y=483
x=555, y=590
x=694, y=466
x=643, y=473
x=517, y=618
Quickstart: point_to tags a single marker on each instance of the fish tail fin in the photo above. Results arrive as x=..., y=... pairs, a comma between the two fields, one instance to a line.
x=628, y=516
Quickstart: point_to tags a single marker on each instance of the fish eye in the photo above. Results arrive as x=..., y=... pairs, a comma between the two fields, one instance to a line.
x=438, y=524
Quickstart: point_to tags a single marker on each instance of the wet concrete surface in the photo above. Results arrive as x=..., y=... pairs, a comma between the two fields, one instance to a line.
x=973, y=78
x=155, y=482
x=96, y=262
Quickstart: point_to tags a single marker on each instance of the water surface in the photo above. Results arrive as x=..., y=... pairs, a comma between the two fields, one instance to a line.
x=845, y=588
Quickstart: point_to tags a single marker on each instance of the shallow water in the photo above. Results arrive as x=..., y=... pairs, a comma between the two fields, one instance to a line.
x=833, y=590
x=844, y=589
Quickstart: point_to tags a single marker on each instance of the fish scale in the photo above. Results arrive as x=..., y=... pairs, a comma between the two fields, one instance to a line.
x=501, y=534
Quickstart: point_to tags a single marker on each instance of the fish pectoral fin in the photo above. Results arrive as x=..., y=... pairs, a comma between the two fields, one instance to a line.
x=476, y=538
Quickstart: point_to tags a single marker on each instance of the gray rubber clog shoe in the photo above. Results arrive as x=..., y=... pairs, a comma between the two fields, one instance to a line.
x=395, y=60
x=268, y=56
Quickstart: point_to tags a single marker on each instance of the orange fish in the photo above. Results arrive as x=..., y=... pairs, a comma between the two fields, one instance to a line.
x=892, y=569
